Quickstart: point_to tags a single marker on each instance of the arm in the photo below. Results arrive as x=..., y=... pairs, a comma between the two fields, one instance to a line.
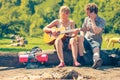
x=97, y=28
x=48, y=28
x=82, y=33
x=73, y=27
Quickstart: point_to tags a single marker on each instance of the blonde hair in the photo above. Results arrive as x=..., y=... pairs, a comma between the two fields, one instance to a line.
x=64, y=9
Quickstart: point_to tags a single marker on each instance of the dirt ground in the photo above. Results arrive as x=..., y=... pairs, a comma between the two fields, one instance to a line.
x=53, y=73
x=84, y=73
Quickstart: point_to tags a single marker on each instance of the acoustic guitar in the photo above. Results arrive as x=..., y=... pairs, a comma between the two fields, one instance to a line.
x=49, y=38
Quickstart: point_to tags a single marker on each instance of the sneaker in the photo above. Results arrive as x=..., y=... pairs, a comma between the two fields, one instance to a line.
x=62, y=64
x=97, y=63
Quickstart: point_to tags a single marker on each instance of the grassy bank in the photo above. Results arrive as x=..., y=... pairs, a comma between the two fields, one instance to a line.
x=32, y=42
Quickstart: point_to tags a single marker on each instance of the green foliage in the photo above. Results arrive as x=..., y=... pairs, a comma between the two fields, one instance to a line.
x=29, y=17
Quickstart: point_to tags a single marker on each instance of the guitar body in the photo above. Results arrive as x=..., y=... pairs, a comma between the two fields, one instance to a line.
x=49, y=38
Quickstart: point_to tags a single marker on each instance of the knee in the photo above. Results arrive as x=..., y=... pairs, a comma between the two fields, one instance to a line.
x=73, y=41
x=81, y=39
x=58, y=42
x=96, y=49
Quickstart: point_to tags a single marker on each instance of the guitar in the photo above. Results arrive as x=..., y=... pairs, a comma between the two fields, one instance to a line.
x=49, y=38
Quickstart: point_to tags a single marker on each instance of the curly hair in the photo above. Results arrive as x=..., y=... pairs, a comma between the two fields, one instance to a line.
x=92, y=7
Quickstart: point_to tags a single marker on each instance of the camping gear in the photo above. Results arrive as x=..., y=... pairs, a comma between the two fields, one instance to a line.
x=23, y=58
x=26, y=58
x=34, y=58
x=31, y=58
x=42, y=58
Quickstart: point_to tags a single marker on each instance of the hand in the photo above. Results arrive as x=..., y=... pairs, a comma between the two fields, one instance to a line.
x=76, y=31
x=54, y=32
x=92, y=16
x=73, y=35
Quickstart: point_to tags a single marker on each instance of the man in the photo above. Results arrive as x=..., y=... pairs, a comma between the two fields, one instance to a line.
x=93, y=35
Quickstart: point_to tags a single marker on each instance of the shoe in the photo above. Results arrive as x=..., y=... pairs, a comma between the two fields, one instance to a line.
x=76, y=64
x=97, y=63
x=62, y=64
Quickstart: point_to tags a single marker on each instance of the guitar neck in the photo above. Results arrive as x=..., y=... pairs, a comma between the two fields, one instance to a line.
x=68, y=31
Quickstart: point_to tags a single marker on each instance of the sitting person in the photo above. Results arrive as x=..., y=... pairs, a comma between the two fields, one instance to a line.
x=92, y=37
x=21, y=42
x=69, y=40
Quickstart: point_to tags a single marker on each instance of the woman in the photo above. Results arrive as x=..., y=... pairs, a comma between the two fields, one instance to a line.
x=70, y=39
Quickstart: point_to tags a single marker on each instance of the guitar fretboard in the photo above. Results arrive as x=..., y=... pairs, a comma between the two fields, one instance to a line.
x=68, y=31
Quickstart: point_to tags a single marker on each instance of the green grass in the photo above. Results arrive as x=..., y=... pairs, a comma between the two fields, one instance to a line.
x=32, y=42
